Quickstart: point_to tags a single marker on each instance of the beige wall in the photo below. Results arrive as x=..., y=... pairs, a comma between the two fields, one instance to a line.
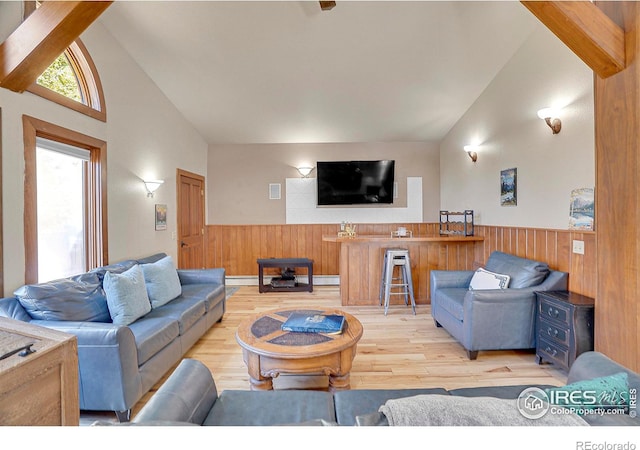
x=238, y=176
x=146, y=137
x=544, y=72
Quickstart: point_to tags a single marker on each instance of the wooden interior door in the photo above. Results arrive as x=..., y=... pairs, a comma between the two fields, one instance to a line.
x=191, y=248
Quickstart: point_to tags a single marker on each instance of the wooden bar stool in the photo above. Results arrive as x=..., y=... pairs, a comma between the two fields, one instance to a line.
x=400, y=285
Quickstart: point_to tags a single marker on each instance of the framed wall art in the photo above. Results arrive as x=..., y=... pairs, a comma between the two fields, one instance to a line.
x=582, y=209
x=161, y=217
x=509, y=187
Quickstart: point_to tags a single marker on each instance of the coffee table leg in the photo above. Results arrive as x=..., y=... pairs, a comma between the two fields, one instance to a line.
x=258, y=381
x=263, y=384
x=339, y=382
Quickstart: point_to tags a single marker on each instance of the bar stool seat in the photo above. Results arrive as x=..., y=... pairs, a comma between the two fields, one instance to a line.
x=400, y=285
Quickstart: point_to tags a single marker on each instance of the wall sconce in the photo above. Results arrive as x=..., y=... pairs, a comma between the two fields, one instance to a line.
x=305, y=171
x=472, y=151
x=550, y=116
x=152, y=186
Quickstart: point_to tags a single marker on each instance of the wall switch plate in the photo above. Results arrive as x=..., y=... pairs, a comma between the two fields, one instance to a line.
x=578, y=247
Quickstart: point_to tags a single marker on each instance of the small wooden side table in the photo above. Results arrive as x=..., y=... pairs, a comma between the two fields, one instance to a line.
x=284, y=263
x=564, y=324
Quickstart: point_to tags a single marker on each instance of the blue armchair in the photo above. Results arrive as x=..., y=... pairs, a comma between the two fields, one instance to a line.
x=493, y=319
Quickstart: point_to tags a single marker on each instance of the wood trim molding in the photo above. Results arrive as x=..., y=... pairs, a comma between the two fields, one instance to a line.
x=90, y=85
x=42, y=37
x=236, y=248
x=96, y=215
x=586, y=30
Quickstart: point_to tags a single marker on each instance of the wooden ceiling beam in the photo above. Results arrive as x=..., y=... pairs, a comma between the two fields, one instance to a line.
x=326, y=6
x=42, y=37
x=586, y=30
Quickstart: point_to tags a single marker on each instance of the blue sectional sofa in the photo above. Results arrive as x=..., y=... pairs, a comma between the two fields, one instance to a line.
x=119, y=362
x=189, y=397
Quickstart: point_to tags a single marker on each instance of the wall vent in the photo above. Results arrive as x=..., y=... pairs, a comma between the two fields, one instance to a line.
x=274, y=191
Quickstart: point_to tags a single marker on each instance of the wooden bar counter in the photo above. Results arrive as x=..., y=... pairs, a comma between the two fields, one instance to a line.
x=361, y=260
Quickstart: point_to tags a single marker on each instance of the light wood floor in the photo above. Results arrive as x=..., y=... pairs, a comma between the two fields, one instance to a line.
x=399, y=350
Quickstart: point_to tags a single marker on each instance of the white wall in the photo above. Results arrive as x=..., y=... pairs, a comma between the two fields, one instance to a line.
x=301, y=205
x=544, y=72
x=145, y=135
x=239, y=176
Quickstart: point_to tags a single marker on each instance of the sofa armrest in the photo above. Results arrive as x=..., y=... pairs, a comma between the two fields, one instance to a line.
x=441, y=279
x=108, y=363
x=202, y=276
x=187, y=396
x=592, y=364
x=499, y=319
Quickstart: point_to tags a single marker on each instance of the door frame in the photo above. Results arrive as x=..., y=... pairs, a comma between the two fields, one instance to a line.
x=179, y=209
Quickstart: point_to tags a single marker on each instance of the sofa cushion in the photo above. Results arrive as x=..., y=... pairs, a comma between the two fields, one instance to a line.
x=161, y=279
x=452, y=301
x=240, y=408
x=212, y=294
x=152, y=334
x=78, y=298
x=484, y=279
x=523, y=272
x=353, y=403
x=495, y=391
x=126, y=295
x=186, y=311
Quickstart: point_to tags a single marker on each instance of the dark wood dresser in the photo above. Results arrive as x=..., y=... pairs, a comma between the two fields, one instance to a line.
x=564, y=327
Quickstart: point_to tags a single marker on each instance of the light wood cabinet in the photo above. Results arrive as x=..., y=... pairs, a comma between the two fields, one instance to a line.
x=40, y=388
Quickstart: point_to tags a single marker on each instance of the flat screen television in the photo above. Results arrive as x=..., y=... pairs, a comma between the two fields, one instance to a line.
x=355, y=182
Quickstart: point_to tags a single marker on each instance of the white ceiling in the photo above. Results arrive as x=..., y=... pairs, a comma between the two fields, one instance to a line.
x=287, y=72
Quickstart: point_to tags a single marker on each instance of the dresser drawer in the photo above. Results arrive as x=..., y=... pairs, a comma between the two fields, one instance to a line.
x=553, y=352
x=555, y=311
x=553, y=333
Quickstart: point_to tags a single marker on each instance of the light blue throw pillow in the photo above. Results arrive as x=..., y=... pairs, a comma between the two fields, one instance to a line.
x=609, y=392
x=126, y=295
x=163, y=283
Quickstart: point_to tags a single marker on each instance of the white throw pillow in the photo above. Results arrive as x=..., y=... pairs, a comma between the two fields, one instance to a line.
x=163, y=283
x=126, y=295
x=483, y=279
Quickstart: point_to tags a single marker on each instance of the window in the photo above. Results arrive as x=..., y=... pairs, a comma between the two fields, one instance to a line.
x=60, y=181
x=65, y=228
x=72, y=79
x=61, y=78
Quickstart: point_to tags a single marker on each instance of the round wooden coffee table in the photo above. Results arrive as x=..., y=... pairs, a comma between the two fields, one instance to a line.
x=268, y=351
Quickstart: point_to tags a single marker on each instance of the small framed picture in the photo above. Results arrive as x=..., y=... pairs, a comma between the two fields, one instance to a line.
x=161, y=217
x=509, y=187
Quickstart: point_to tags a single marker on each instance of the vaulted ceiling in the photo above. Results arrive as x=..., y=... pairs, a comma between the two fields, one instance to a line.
x=288, y=72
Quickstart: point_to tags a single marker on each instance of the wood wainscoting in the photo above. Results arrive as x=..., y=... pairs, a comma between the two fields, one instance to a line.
x=555, y=247
x=237, y=247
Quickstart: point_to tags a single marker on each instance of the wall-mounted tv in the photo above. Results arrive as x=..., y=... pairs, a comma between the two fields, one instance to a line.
x=355, y=182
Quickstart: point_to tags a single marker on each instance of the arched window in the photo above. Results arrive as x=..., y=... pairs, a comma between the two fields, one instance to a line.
x=72, y=79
